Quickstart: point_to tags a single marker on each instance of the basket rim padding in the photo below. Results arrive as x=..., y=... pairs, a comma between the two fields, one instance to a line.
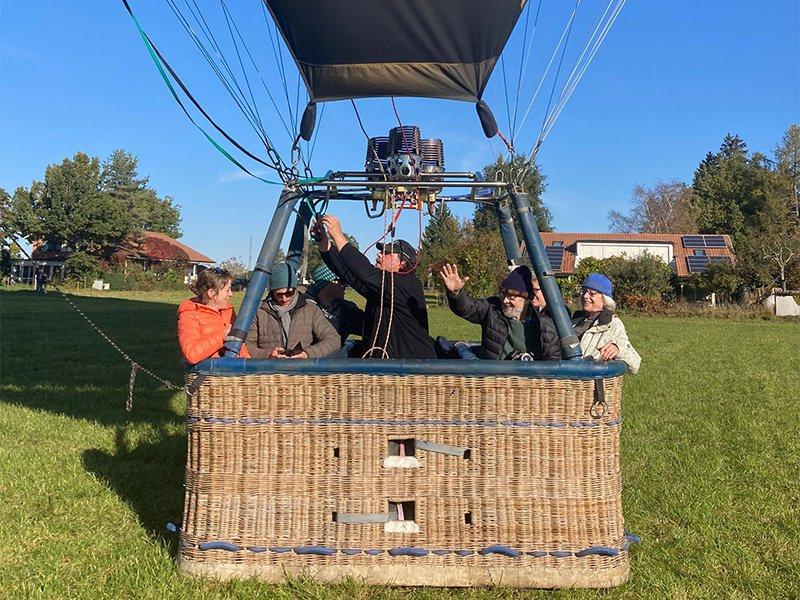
x=560, y=369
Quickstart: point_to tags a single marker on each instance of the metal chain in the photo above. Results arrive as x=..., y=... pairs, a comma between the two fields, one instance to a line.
x=129, y=403
x=135, y=366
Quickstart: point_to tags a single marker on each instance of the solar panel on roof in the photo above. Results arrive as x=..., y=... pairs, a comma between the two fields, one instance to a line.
x=693, y=241
x=703, y=241
x=697, y=264
x=720, y=259
x=555, y=255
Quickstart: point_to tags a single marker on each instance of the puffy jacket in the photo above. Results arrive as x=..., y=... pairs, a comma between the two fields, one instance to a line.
x=309, y=327
x=202, y=330
x=607, y=329
x=488, y=314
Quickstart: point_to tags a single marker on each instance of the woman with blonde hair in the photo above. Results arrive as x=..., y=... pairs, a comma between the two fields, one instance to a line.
x=205, y=320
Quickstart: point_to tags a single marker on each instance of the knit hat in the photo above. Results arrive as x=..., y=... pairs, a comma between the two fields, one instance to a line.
x=519, y=280
x=283, y=276
x=599, y=283
x=322, y=274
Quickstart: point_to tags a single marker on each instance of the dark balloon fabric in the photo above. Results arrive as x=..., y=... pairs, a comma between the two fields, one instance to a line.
x=369, y=48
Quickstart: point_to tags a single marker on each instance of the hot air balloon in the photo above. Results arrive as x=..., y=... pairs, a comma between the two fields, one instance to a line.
x=449, y=472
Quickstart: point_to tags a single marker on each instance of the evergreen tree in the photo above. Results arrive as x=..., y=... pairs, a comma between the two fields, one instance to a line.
x=120, y=178
x=527, y=178
x=440, y=240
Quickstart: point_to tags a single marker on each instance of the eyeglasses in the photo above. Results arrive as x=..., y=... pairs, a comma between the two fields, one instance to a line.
x=512, y=294
x=592, y=293
x=287, y=294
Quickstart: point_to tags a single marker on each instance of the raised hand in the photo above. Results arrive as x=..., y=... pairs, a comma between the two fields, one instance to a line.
x=334, y=227
x=333, y=224
x=452, y=281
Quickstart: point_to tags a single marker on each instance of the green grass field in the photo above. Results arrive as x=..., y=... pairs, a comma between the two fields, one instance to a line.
x=711, y=459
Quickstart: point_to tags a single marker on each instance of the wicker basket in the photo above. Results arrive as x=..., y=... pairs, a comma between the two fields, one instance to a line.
x=504, y=480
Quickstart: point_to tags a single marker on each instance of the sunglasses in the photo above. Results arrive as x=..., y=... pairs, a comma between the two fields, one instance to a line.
x=287, y=294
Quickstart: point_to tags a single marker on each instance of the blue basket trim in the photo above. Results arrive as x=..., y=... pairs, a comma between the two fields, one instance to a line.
x=322, y=550
x=499, y=549
x=601, y=550
x=414, y=551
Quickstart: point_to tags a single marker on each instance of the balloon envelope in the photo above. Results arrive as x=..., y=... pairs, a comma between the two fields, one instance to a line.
x=369, y=48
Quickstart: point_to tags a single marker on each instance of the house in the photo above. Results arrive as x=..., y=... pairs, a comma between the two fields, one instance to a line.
x=687, y=254
x=150, y=248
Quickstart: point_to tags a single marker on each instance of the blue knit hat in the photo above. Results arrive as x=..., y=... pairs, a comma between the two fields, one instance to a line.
x=599, y=283
x=519, y=280
x=283, y=276
x=322, y=274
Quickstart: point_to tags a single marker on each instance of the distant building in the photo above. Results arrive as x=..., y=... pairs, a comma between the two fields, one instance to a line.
x=685, y=253
x=150, y=248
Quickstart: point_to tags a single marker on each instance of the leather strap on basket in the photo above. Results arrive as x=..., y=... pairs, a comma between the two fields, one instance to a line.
x=599, y=406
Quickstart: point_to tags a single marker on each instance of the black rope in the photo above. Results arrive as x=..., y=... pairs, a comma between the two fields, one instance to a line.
x=279, y=166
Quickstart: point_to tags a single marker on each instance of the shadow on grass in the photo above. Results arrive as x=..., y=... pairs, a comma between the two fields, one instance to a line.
x=148, y=477
x=53, y=361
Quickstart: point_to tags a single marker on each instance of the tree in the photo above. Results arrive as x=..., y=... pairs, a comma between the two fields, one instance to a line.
x=120, y=178
x=663, y=208
x=787, y=154
x=440, y=240
x=69, y=207
x=313, y=257
x=8, y=231
x=235, y=267
x=528, y=178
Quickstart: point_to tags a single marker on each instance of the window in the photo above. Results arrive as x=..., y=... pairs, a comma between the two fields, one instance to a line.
x=699, y=252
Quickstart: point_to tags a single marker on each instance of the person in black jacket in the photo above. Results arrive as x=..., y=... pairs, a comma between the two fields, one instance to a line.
x=328, y=293
x=395, y=317
x=510, y=326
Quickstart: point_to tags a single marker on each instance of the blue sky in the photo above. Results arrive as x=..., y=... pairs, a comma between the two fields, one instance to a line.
x=670, y=81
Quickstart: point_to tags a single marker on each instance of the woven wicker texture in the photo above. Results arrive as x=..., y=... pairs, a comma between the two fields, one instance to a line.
x=275, y=461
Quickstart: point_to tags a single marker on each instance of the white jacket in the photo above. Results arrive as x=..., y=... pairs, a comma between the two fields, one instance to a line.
x=610, y=331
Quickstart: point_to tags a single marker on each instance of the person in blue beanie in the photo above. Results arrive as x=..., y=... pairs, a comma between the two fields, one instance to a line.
x=510, y=327
x=601, y=332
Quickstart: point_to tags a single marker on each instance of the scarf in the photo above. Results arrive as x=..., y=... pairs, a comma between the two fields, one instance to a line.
x=284, y=317
x=586, y=323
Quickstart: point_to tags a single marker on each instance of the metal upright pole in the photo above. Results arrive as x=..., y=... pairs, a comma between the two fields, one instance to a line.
x=509, y=234
x=570, y=345
x=294, y=254
x=259, y=279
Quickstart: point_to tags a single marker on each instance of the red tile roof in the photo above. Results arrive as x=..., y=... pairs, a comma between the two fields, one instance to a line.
x=570, y=241
x=160, y=246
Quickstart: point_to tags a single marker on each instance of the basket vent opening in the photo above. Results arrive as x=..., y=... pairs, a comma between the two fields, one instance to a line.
x=402, y=511
x=401, y=517
x=468, y=518
x=336, y=452
x=467, y=454
x=402, y=448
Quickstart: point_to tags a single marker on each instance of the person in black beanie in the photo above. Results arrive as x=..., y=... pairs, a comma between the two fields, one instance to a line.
x=510, y=326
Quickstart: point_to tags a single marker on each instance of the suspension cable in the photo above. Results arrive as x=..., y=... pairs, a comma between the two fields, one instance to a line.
x=567, y=27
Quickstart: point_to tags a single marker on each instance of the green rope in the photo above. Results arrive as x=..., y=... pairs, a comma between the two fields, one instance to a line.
x=223, y=151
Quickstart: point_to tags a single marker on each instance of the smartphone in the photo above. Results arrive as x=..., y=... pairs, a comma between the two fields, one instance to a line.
x=296, y=350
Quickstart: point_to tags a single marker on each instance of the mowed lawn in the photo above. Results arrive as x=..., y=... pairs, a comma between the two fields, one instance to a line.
x=711, y=459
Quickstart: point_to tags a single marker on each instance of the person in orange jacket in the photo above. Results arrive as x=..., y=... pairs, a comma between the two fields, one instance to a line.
x=205, y=320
